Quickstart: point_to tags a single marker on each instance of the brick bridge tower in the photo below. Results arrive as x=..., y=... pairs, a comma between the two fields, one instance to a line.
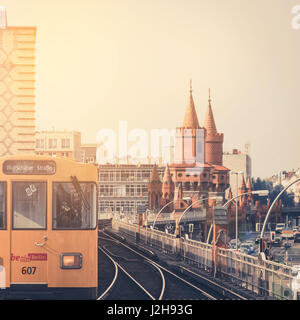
x=213, y=139
x=154, y=190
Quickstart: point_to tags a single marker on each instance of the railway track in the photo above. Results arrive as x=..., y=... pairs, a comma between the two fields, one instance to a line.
x=132, y=274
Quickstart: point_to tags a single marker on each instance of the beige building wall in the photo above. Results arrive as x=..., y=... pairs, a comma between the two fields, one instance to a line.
x=17, y=90
x=237, y=161
x=59, y=143
x=88, y=153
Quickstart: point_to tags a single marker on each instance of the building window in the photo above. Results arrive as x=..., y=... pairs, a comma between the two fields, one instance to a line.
x=131, y=190
x=124, y=175
x=146, y=175
x=138, y=176
x=39, y=143
x=52, y=154
x=144, y=190
x=139, y=190
x=118, y=175
x=111, y=176
x=65, y=143
x=104, y=176
x=52, y=143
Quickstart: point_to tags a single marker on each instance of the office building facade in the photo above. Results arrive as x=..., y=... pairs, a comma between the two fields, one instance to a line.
x=17, y=88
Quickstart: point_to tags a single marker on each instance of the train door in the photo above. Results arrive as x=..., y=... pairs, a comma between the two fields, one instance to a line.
x=4, y=239
x=28, y=258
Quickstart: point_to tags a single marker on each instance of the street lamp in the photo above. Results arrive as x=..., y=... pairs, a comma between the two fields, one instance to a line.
x=159, y=212
x=236, y=207
x=261, y=193
x=271, y=207
x=199, y=200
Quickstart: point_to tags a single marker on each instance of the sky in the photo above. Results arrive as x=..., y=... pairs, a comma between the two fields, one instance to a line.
x=99, y=62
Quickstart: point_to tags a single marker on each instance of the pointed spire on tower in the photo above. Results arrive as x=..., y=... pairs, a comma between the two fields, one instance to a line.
x=167, y=176
x=249, y=189
x=154, y=174
x=243, y=187
x=209, y=123
x=190, y=117
x=249, y=185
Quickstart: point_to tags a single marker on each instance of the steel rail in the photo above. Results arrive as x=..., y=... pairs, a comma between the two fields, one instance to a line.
x=114, y=279
x=162, y=277
x=146, y=261
x=135, y=281
x=170, y=272
x=216, y=284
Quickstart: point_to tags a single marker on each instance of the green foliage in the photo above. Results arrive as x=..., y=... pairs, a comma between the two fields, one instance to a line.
x=286, y=198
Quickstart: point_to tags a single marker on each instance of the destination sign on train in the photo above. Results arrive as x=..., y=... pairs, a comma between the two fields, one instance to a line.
x=29, y=167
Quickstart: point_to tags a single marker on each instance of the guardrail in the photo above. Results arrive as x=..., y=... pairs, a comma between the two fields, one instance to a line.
x=154, y=238
x=265, y=278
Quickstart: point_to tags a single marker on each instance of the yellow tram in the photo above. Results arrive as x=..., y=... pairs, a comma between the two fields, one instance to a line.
x=48, y=228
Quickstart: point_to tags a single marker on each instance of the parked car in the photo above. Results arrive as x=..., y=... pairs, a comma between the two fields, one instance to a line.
x=251, y=243
x=257, y=240
x=277, y=242
x=232, y=243
x=287, y=245
x=297, y=237
x=246, y=248
x=287, y=236
x=279, y=227
x=296, y=269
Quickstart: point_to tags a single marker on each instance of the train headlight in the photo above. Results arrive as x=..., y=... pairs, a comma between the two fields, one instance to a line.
x=71, y=260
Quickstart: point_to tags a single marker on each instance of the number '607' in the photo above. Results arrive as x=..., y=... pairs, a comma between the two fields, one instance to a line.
x=28, y=270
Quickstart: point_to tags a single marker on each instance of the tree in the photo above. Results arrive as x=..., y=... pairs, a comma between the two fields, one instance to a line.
x=286, y=198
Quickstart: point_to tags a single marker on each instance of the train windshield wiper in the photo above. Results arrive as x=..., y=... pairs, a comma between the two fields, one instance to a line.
x=79, y=191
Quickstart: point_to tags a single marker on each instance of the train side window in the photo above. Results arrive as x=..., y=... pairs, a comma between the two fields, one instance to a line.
x=2, y=205
x=29, y=205
x=74, y=208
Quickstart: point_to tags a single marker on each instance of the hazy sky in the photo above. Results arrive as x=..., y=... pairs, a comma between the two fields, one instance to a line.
x=101, y=61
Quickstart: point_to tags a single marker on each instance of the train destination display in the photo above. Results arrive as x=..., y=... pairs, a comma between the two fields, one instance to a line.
x=43, y=167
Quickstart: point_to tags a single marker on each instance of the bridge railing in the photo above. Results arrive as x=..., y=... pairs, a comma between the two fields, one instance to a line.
x=159, y=240
x=124, y=227
x=265, y=278
x=154, y=238
x=197, y=253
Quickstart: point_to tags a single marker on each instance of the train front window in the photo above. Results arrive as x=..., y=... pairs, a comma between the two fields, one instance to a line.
x=2, y=205
x=74, y=206
x=29, y=205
